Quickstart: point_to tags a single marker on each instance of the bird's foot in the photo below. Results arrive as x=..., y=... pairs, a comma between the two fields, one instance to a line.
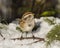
x=33, y=37
x=21, y=38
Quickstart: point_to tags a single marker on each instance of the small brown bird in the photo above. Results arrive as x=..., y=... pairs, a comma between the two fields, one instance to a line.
x=27, y=22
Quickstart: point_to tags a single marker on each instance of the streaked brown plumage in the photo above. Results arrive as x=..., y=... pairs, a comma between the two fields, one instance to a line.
x=27, y=22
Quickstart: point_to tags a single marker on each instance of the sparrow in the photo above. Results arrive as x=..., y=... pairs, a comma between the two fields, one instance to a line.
x=27, y=22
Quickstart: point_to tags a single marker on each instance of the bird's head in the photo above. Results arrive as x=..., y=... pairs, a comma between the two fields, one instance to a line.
x=28, y=16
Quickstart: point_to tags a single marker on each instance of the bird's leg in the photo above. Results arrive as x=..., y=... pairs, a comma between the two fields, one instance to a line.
x=26, y=34
x=33, y=36
x=22, y=35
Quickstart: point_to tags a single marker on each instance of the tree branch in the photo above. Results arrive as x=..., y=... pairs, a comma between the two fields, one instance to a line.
x=37, y=38
x=21, y=38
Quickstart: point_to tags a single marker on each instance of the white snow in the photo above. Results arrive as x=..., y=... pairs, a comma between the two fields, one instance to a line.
x=9, y=31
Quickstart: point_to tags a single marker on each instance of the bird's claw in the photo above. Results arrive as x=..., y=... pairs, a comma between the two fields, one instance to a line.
x=33, y=37
x=21, y=38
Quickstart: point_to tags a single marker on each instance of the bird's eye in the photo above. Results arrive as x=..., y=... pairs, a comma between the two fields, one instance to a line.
x=29, y=25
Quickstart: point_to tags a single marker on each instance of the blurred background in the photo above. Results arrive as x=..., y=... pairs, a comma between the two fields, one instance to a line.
x=12, y=9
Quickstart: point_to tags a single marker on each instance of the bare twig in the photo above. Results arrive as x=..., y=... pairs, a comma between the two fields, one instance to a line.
x=37, y=38
x=41, y=39
x=33, y=42
x=2, y=36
